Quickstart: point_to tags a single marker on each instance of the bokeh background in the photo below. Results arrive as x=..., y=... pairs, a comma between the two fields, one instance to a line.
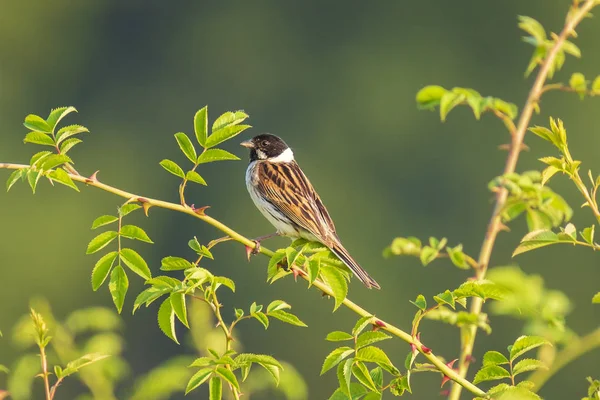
x=337, y=80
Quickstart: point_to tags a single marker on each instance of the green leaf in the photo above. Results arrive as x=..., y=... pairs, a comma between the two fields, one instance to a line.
x=445, y=298
x=128, y=208
x=68, y=131
x=166, y=320
x=378, y=356
x=367, y=338
x=175, y=264
x=215, y=388
x=588, y=234
x=335, y=357
x=448, y=101
x=458, y=257
x=186, y=146
x=14, y=177
x=533, y=27
x=55, y=160
x=37, y=123
x=228, y=119
x=201, y=125
x=571, y=48
x=313, y=268
x=136, y=263
x=57, y=114
x=277, y=305
x=344, y=375
x=118, y=286
x=548, y=173
x=428, y=254
x=262, y=318
x=221, y=280
x=229, y=377
x=101, y=241
x=135, y=232
x=596, y=298
x=102, y=268
x=212, y=155
x=494, y=358
x=338, y=336
x=490, y=373
x=596, y=85
x=526, y=343
x=198, y=379
x=420, y=302
x=578, y=82
x=536, y=239
x=179, y=307
x=336, y=281
x=36, y=137
x=33, y=178
x=193, y=176
x=286, y=317
x=172, y=167
x=69, y=144
x=224, y=134
x=360, y=371
x=528, y=364
x=104, y=220
x=361, y=324
x=75, y=365
x=429, y=97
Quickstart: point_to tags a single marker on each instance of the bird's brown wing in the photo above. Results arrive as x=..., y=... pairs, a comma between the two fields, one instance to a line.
x=286, y=187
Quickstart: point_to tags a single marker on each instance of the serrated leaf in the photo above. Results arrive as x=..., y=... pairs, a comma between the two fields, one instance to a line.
x=335, y=357
x=229, y=118
x=118, y=286
x=446, y=297
x=229, y=377
x=33, y=177
x=533, y=27
x=361, y=373
x=212, y=155
x=420, y=302
x=494, y=358
x=361, y=324
x=262, y=318
x=215, y=389
x=430, y=96
x=221, y=280
x=83, y=361
x=101, y=241
x=370, y=337
x=344, y=375
x=278, y=305
x=378, y=356
x=69, y=144
x=427, y=255
x=198, y=379
x=490, y=373
x=338, y=336
x=68, y=131
x=102, y=268
x=175, y=264
x=201, y=125
x=57, y=114
x=186, y=146
x=135, y=232
x=55, y=160
x=536, y=239
x=193, y=176
x=36, y=137
x=37, y=123
x=179, y=307
x=286, y=317
x=172, y=167
x=524, y=344
x=528, y=364
x=14, y=177
x=166, y=320
x=128, y=208
x=588, y=234
x=104, y=220
x=448, y=101
x=224, y=134
x=336, y=281
x=548, y=173
x=136, y=263
x=313, y=269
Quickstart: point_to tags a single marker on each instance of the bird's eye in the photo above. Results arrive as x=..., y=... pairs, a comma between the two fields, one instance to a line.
x=264, y=143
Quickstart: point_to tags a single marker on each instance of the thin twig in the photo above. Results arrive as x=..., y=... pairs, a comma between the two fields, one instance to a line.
x=427, y=353
x=495, y=223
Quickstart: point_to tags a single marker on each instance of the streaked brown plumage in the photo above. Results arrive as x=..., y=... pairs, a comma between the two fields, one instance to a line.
x=285, y=196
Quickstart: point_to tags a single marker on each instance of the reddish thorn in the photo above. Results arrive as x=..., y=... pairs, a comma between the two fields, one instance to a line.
x=93, y=178
x=451, y=363
x=296, y=272
x=146, y=206
x=199, y=211
x=142, y=200
x=419, y=336
x=374, y=328
x=249, y=251
x=469, y=358
x=444, y=380
x=425, y=349
x=413, y=347
x=380, y=323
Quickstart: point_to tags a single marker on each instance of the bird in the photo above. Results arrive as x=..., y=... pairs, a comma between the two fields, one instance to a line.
x=287, y=199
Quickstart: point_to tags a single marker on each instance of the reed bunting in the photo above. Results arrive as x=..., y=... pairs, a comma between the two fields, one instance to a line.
x=284, y=195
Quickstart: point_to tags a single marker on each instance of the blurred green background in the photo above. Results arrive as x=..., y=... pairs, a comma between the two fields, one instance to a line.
x=337, y=81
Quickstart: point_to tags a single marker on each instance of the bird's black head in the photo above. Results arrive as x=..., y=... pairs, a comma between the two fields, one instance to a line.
x=268, y=147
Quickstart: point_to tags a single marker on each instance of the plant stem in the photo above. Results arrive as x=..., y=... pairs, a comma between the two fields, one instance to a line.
x=442, y=367
x=45, y=373
x=495, y=223
x=572, y=351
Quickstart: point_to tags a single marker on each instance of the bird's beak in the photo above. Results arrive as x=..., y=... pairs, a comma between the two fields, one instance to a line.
x=247, y=144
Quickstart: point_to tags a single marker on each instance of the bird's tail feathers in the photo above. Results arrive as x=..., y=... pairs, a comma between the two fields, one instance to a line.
x=360, y=273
